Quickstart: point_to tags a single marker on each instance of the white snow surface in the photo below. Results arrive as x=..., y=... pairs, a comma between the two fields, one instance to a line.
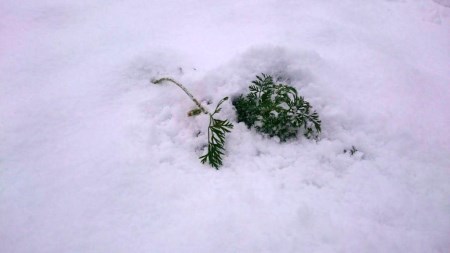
x=95, y=158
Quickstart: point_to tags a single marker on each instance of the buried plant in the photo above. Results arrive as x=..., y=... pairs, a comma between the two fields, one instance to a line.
x=276, y=110
x=216, y=130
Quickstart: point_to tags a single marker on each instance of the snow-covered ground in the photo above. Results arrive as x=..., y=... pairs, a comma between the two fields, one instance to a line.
x=94, y=158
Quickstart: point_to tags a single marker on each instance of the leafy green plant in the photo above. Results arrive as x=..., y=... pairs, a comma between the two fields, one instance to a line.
x=216, y=138
x=276, y=110
x=216, y=130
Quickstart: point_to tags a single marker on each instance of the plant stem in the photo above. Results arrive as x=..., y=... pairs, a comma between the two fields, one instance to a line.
x=209, y=130
x=158, y=81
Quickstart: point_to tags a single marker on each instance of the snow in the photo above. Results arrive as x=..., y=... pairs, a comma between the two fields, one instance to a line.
x=95, y=158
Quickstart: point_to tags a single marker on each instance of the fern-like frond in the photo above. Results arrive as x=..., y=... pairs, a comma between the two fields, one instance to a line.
x=216, y=138
x=216, y=130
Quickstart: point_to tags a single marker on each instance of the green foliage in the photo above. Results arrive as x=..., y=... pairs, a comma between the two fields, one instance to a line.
x=216, y=129
x=276, y=110
x=216, y=138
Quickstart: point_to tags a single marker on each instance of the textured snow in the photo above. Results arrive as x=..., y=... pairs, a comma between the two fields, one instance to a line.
x=95, y=158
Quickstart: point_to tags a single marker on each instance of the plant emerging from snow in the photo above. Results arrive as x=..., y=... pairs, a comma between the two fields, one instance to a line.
x=216, y=130
x=276, y=110
x=216, y=138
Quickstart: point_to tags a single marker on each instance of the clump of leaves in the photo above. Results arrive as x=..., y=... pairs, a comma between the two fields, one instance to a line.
x=216, y=129
x=276, y=109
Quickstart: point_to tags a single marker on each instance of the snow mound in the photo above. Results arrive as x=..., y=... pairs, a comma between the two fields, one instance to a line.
x=95, y=158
